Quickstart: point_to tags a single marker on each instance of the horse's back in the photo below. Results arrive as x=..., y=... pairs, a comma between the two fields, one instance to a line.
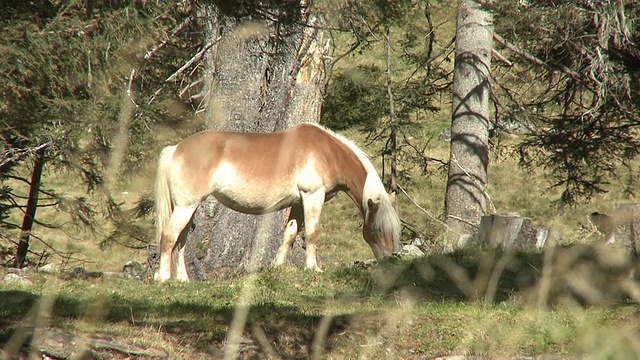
x=249, y=171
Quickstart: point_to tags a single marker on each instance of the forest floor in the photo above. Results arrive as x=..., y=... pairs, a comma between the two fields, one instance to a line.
x=438, y=306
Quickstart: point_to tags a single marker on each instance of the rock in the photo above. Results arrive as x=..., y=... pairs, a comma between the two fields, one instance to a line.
x=17, y=279
x=410, y=252
x=134, y=269
x=49, y=268
x=417, y=241
x=445, y=135
x=77, y=272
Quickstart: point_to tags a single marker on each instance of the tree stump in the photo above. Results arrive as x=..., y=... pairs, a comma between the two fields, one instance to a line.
x=510, y=232
x=626, y=226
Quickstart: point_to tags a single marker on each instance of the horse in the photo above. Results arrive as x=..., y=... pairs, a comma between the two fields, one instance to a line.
x=300, y=168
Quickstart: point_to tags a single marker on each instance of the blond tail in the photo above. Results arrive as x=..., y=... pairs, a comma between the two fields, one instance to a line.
x=164, y=205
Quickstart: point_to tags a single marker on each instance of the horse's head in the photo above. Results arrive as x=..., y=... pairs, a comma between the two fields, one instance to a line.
x=381, y=228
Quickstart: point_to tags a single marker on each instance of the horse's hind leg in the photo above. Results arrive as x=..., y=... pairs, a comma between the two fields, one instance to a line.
x=312, y=203
x=169, y=243
x=290, y=231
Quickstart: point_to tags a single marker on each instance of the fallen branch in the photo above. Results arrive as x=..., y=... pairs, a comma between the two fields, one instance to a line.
x=49, y=343
x=65, y=345
x=463, y=220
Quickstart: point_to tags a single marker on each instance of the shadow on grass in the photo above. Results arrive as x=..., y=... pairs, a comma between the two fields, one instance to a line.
x=582, y=275
x=270, y=329
x=282, y=327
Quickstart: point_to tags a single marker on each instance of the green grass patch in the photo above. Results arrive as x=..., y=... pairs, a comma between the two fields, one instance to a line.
x=396, y=309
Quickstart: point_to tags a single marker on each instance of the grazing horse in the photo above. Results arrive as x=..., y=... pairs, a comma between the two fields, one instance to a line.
x=258, y=173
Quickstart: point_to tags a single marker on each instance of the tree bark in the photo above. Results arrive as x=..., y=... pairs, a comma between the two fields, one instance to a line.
x=393, y=146
x=511, y=233
x=265, y=74
x=465, y=200
x=30, y=213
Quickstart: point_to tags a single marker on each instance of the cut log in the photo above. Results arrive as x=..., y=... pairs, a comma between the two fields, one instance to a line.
x=603, y=224
x=510, y=232
x=626, y=226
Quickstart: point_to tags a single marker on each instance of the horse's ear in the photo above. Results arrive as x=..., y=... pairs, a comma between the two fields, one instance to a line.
x=392, y=197
x=373, y=206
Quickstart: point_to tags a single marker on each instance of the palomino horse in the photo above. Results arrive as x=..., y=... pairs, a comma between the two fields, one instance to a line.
x=257, y=173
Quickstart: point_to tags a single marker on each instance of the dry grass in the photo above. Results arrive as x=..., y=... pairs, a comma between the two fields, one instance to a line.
x=392, y=310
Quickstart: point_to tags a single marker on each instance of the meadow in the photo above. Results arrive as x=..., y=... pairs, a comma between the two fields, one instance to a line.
x=575, y=300
x=352, y=311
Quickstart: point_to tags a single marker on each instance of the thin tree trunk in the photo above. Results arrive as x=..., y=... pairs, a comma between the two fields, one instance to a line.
x=465, y=201
x=30, y=214
x=263, y=75
x=393, y=188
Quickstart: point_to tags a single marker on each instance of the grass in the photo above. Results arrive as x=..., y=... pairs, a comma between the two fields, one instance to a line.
x=403, y=309
x=397, y=309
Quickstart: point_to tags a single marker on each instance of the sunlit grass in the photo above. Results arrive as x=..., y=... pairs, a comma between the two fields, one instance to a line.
x=191, y=320
x=371, y=312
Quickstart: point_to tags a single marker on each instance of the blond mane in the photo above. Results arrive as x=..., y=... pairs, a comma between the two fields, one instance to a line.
x=387, y=219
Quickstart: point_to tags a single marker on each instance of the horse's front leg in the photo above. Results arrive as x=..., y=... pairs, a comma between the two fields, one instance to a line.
x=181, y=246
x=312, y=203
x=294, y=224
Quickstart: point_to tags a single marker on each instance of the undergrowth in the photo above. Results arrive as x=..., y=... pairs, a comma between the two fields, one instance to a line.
x=396, y=309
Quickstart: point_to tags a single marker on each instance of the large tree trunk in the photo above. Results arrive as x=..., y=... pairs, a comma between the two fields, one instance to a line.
x=262, y=75
x=465, y=201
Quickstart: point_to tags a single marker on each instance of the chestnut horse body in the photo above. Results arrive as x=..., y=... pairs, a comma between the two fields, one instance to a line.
x=258, y=173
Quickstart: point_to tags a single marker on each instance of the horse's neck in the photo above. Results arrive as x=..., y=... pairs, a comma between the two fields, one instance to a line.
x=354, y=186
x=350, y=171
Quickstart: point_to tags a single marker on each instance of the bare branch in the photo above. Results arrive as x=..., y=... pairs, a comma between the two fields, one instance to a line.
x=433, y=217
x=191, y=61
x=574, y=75
x=175, y=31
x=12, y=155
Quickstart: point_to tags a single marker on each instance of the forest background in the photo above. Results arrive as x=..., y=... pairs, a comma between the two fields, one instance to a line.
x=92, y=90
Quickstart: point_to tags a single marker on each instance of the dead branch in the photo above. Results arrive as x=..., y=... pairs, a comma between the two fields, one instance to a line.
x=175, y=31
x=65, y=345
x=433, y=217
x=191, y=61
x=12, y=154
x=534, y=59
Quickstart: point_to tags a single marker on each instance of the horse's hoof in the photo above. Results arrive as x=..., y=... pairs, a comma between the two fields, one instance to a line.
x=276, y=263
x=315, y=268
